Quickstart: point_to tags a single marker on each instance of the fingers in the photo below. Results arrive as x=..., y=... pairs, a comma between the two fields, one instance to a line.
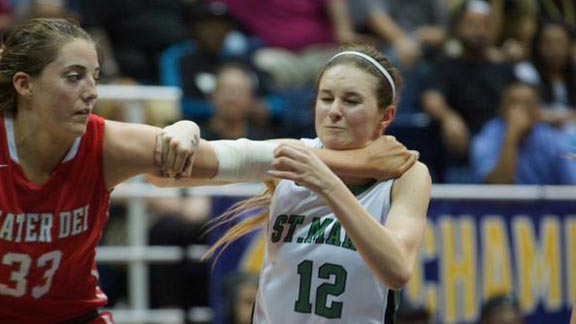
x=284, y=163
x=181, y=156
x=174, y=151
x=409, y=162
x=187, y=171
x=285, y=175
x=165, y=149
x=158, y=152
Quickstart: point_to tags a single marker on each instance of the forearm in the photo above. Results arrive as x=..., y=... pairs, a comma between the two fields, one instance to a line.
x=505, y=170
x=378, y=246
x=435, y=105
x=340, y=21
x=386, y=28
x=349, y=163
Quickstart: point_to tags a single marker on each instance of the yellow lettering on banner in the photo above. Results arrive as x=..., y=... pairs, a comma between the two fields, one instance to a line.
x=539, y=266
x=497, y=269
x=458, y=268
x=418, y=290
x=570, y=227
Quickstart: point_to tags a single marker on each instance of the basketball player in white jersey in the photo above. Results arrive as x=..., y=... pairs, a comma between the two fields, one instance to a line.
x=338, y=247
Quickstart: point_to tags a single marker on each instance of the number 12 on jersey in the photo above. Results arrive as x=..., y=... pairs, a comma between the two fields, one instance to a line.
x=334, y=288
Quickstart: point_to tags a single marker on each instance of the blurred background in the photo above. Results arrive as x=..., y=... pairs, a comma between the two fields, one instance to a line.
x=489, y=101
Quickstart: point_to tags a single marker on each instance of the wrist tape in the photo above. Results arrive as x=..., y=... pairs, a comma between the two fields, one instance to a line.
x=243, y=159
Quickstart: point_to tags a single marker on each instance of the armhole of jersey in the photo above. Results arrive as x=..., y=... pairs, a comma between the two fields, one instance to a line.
x=384, y=216
x=392, y=305
x=99, y=125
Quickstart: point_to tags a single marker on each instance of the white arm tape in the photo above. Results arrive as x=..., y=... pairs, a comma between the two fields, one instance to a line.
x=243, y=159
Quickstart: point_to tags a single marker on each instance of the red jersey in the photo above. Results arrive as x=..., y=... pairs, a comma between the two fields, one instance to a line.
x=49, y=232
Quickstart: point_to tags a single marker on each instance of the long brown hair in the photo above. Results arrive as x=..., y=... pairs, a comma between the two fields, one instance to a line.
x=29, y=47
x=385, y=98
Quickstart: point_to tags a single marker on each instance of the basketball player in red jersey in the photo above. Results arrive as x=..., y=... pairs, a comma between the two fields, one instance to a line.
x=58, y=164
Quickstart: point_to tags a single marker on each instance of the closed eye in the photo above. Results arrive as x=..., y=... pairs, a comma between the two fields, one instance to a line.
x=73, y=78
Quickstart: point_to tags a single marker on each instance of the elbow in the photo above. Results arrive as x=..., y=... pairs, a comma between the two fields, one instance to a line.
x=400, y=280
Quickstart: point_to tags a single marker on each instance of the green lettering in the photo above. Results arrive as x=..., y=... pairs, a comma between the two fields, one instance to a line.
x=316, y=231
x=348, y=243
x=278, y=228
x=294, y=221
x=334, y=236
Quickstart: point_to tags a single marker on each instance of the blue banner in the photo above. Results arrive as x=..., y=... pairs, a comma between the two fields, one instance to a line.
x=476, y=249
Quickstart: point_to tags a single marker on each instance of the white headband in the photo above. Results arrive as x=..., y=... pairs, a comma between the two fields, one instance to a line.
x=376, y=65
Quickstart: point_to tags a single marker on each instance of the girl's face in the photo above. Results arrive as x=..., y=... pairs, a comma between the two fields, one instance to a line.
x=347, y=112
x=64, y=94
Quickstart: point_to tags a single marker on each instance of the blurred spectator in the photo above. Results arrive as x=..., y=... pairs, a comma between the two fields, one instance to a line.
x=515, y=25
x=413, y=28
x=554, y=73
x=297, y=36
x=6, y=15
x=463, y=91
x=413, y=31
x=214, y=33
x=45, y=9
x=502, y=309
x=512, y=27
x=237, y=112
x=192, y=64
x=180, y=223
x=132, y=34
x=517, y=148
x=409, y=313
x=239, y=293
x=558, y=11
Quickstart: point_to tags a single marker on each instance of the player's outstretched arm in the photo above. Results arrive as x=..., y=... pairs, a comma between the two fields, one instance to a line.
x=129, y=150
x=233, y=161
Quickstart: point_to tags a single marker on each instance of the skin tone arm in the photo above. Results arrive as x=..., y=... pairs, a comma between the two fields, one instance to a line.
x=383, y=159
x=518, y=124
x=337, y=11
x=390, y=251
x=386, y=28
x=455, y=133
x=128, y=151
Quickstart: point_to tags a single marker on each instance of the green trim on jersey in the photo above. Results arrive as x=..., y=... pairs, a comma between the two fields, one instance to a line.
x=357, y=190
x=392, y=306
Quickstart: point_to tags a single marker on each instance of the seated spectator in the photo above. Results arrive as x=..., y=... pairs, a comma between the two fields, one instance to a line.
x=411, y=32
x=517, y=148
x=554, y=73
x=240, y=291
x=132, y=34
x=237, y=112
x=6, y=15
x=409, y=313
x=298, y=36
x=179, y=222
x=412, y=28
x=515, y=25
x=512, y=27
x=463, y=91
x=502, y=309
x=558, y=11
x=215, y=41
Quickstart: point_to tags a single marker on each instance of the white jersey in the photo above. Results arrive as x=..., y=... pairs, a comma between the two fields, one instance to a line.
x=312, y=272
